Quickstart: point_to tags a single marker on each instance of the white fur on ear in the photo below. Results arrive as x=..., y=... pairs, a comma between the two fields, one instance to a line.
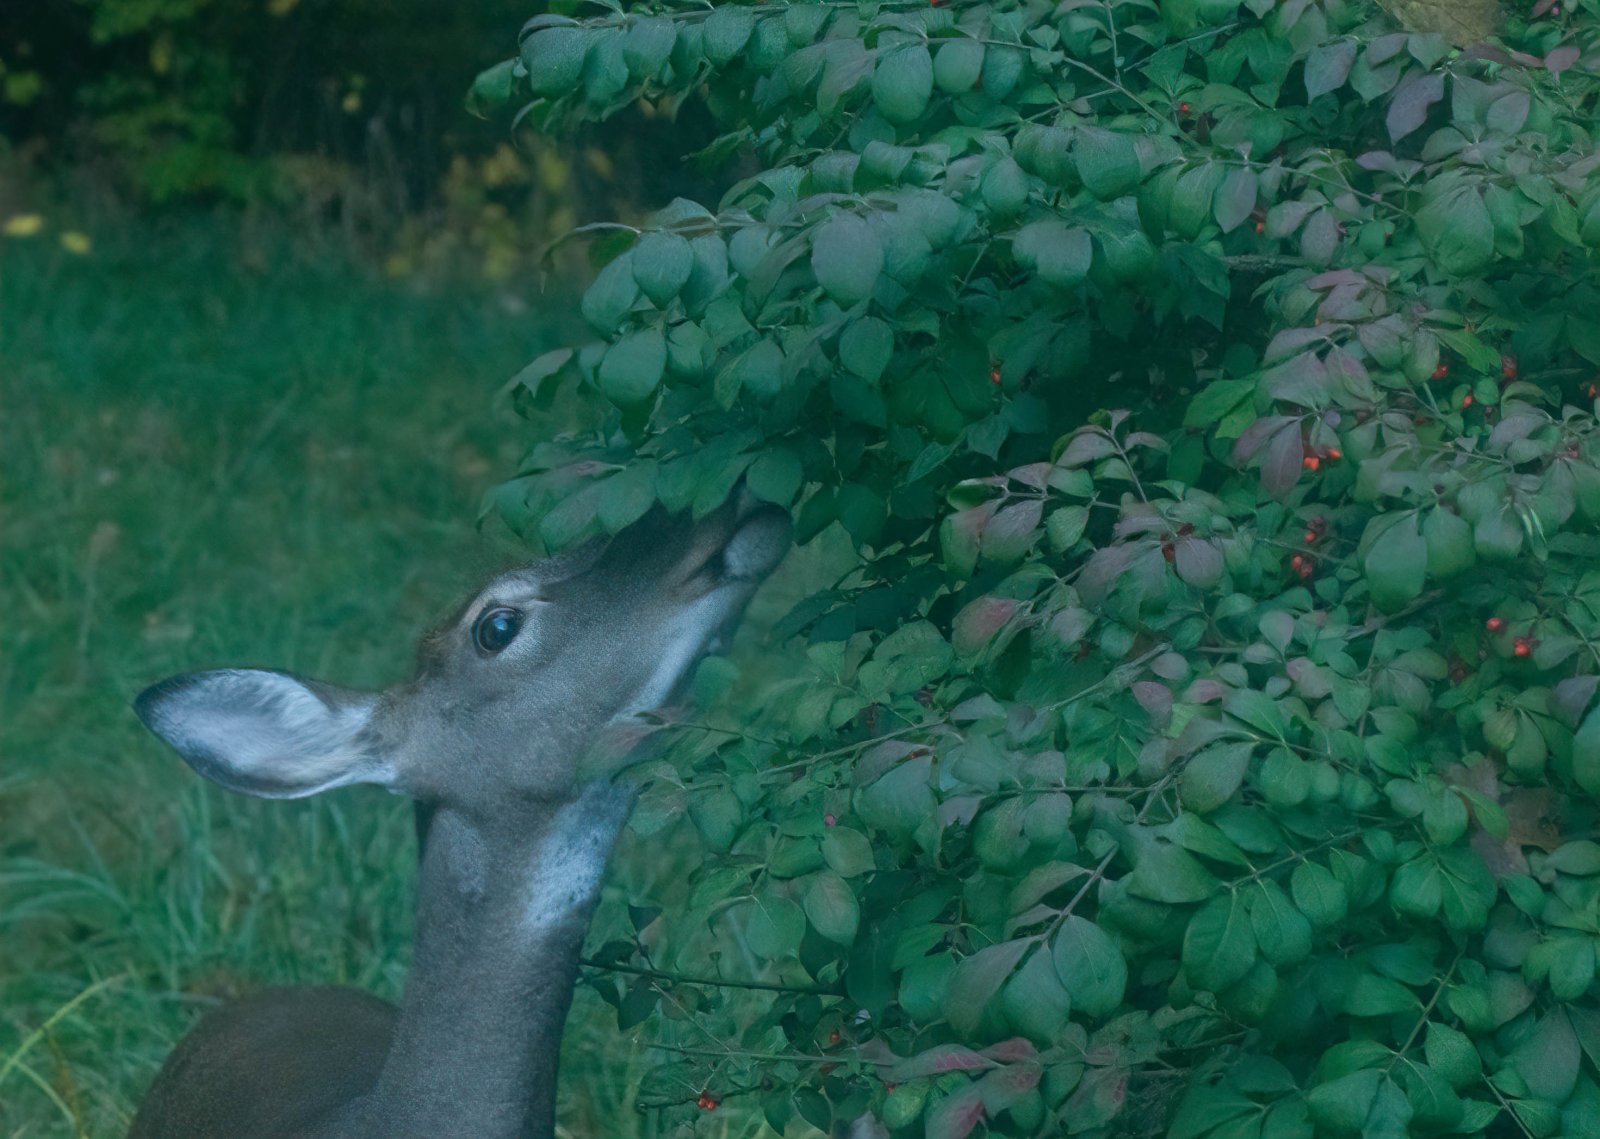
x=265, y=733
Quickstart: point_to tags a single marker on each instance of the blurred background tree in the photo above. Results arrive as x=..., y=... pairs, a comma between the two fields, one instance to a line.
x=347, y=112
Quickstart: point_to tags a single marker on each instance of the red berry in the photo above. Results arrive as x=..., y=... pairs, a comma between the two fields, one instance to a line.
x=829, y=821
x=1183, y=108
x=1521, y=647
x=1261, y=227
x=1466, y=401
x=994, y=374
x=1441, y=371
x=1335, y=453
x=1305, y=571
x=706, y=1102
x=1310, y=462
x=1297, y=561
x=1495, y=624
x=833, y=1037
x=1310, y=537
x=1508, y=366
x=1593, y=391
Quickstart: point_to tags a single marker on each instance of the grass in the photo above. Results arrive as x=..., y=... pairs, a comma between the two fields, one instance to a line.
x=220, y=453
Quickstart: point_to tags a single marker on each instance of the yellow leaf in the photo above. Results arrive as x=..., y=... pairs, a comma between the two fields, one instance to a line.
x=74, y=242
x=23, y=225
x=281, y=7
x=161, y=54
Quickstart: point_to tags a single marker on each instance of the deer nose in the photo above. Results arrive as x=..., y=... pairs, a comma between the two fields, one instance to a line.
x=761, y=538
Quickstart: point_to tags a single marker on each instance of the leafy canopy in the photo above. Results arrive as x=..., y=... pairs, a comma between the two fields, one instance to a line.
x=1204, y=740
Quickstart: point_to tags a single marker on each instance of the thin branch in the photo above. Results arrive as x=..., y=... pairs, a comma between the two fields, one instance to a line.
x=718, y=982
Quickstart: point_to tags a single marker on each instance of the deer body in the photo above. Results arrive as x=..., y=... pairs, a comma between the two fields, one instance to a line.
x=517, y=817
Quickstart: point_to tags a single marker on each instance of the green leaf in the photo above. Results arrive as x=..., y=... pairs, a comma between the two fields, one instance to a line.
x=717, y=815
x=492, y=90
x=958, y=65
x=866, y=346
x=847, y=851
x=661, y=266
x=647, y=46
x=626, y=496
x=1548, y=1058
x=1457, y=232
x=1396, y=561
x=1452, y=1055
x=1107, y=162
x=976, y=981
x=903, y=83
x=611, y=295
x=1282, y=932
x=1167, y=873
x=1448, y=537
x=759, y=371
x=1211, y=777
x=1090, y=967
x=553, y=58
x=1034, y=1001
x=775, y=476
x=1586, y=753
x=727, y=30
x=832, y=908
x=1342, y=1106
x=1005, y=188
x=1319, y=895
x=633, y=366
x=774, y=926
x=847, y=258
x=1059, y=253
x=1219, y=946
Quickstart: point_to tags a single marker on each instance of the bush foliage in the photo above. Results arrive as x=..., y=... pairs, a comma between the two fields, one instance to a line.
x=1204, y=741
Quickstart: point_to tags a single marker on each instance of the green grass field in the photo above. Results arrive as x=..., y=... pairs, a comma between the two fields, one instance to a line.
x=213, y=454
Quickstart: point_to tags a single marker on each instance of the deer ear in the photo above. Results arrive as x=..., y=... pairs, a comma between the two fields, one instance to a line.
x=265, y=733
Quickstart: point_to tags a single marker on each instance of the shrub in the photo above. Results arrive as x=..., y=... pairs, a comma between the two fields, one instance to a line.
x=1203, y=740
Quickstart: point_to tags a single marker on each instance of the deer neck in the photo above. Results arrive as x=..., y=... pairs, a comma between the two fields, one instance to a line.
x=502, y=911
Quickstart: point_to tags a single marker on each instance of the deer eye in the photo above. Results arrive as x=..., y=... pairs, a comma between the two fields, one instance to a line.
x=495, y=629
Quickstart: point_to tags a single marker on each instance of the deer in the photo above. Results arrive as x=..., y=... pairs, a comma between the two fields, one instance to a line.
x=525, y=706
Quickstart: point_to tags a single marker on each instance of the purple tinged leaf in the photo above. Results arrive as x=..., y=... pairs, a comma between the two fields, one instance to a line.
x=1290, y=342
x=956, y=1116
x=976, y=625
x=1408, y=110
x=1235, y=199
x=1256, y=435
x=1301, y=380
x=1034, y=475
x=1280, y=467
x=1198, y=562
x=936, y=1061
x=976, y=980
x=1385, y=48
x=1012, y=1051
x=1320, y=238
x=1086, y=447
x=1002, y=1088
x=1155, y=699
x=1572, y=696
x=1508, y=113
x=1561, y=58
x=1328, y=66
